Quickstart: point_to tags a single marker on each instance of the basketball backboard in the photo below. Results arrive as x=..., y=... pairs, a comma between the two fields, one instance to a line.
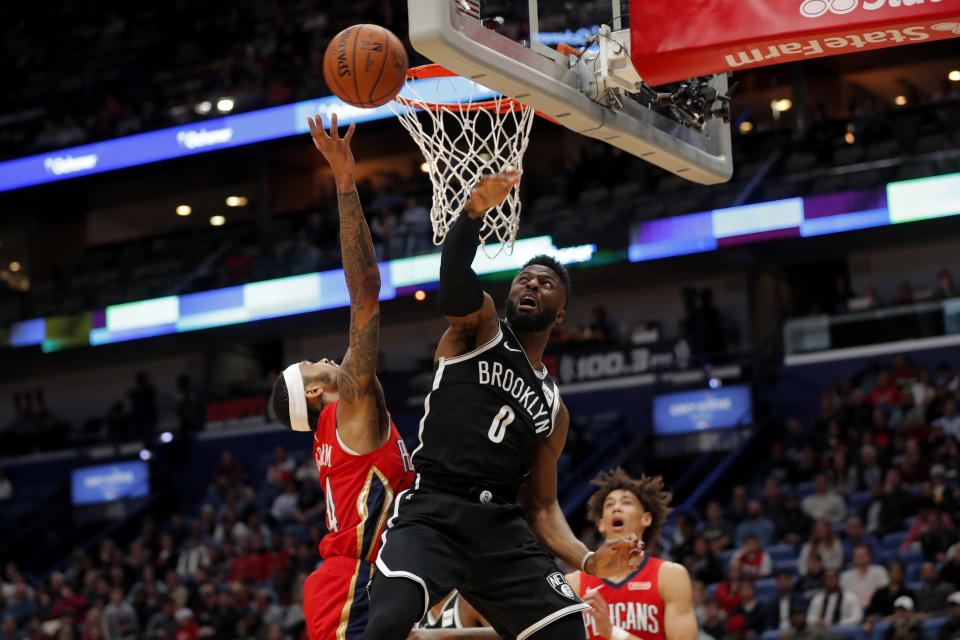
x=510, y=46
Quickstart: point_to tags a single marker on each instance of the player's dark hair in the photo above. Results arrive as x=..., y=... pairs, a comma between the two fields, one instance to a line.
x=649, y=491
x=554, y=265
x=280, y=402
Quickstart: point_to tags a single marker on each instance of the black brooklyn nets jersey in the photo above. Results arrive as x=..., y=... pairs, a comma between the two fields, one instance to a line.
x=484, y=416
x=449, y=617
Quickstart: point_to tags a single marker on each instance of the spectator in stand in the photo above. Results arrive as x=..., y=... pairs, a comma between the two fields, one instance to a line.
x=823, y=541
x=602, y=328
x=8, y=631
x=881, y=604
x=914, y=467
x=842, y=474
x=864, y=577
x=736, y=628
x=194, y=557
x=905, y=625
x=792, y=524
x=284, y=505
x=163, y=621
x=842, y=295
x=119, y=619
x=926, y=513
x=714, y=619
x=904, y=294
x=737, y=511
x=886, y=393
x=751, y=609
x=932, y=595
x=702, y=564
x=887, y=507
x=950, y=571
x=683, y=537
x=949, y=421
x=950, y=629
x=869, y=469
x=728, y=591
x=778, y=612
x=756, y=525
x=833, y=606
x=228, y=473
x=71, y=605
x=945, y=287
x=280, y=471
x=857, y=536
x=187, y=627
x=947, y=378
x=6, y=487
x=717, y=531
x=938, y=536
x=773, y=499
x=753, y=560
x=824, y=503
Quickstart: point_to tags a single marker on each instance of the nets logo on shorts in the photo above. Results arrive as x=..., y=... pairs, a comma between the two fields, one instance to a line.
x=559, y=584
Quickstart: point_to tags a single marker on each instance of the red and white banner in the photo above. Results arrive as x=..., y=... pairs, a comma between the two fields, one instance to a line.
x=673, y=41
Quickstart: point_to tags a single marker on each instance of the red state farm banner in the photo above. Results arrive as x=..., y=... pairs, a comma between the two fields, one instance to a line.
x=673, y=41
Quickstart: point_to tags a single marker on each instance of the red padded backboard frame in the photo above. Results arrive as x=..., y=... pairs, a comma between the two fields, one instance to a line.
x=673, y=41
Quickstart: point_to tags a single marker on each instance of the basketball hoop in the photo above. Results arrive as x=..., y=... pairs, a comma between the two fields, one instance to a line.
x=462, y=138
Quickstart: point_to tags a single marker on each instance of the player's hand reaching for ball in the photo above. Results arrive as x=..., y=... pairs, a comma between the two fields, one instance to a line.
x=490, y=191
x=616, y=557
x=335, y=150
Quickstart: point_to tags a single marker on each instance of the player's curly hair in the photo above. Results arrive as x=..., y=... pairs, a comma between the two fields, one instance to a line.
x=649, y=491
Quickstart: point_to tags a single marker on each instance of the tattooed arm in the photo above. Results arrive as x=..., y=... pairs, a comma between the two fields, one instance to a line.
x=362, y=421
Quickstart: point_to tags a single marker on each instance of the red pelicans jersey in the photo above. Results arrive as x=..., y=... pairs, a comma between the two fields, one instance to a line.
x=635, y=604
x=358, y=489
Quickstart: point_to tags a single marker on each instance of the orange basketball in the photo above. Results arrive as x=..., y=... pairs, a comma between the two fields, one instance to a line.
x=365, y=65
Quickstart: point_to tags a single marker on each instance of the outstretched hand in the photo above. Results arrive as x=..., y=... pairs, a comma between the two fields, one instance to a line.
x=616, y=557
x=335, y=150
x=490, y=192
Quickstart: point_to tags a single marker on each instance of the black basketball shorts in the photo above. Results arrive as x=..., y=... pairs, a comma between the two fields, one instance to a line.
x=483, y=549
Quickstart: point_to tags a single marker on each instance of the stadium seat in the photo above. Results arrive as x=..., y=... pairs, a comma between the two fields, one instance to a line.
x=855, y=501
x=912, y=572
x=724, y=556
x=781, y=552
x=879, y=629
x=787, y=564
x=853, y=631
x=804, y=489
x=771, y=634
x=914, y=586
x=911, y=556
x=932, y=626
x=892, y=541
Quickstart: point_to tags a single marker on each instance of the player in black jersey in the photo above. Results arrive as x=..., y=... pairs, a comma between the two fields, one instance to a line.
x=492, y=430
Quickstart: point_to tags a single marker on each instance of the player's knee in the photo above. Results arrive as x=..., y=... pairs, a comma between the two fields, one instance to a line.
x=396, y=604
x=569, y=627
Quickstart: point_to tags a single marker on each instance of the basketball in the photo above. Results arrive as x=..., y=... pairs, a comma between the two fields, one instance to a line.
x=365, y=65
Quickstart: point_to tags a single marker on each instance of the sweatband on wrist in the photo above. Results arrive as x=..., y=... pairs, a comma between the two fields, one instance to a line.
x=460, y=292
x=296, y=398
x=618, y=634
x=583, y=561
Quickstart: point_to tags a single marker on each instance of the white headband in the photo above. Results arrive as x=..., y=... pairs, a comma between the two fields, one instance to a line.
x=297, y=398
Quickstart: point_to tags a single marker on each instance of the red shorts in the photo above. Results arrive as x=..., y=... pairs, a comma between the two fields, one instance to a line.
x=335, y=600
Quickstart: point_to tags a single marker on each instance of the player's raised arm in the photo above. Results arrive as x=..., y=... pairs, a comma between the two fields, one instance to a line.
x=361, y=418
x=469, y=310
x=546, y=519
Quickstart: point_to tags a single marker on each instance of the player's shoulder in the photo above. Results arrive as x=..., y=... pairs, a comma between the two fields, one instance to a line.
x=673, y=580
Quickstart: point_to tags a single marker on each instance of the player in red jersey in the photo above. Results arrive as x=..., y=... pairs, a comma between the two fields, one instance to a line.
x=654, y=602
x=362, y=460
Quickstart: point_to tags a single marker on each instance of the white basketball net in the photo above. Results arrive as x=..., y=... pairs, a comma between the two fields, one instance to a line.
x=462, y=142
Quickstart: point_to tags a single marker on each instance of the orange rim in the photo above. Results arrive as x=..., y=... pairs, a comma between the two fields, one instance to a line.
x=503, y=105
